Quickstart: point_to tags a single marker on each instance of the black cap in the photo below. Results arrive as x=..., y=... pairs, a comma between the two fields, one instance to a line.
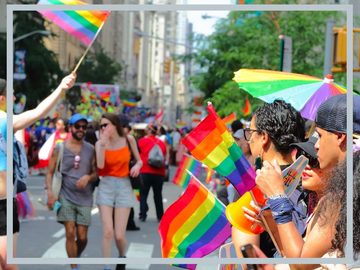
x=331, y=114
x=309, y=145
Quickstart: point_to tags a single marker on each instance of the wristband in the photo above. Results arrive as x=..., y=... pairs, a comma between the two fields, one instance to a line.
x=281, y=209
x=277, y=196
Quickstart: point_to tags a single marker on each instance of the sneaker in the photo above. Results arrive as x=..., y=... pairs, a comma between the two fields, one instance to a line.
x=120, y=266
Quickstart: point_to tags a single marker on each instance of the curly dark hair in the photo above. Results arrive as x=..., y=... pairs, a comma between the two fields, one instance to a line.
x=335, y=198
x=282, y=123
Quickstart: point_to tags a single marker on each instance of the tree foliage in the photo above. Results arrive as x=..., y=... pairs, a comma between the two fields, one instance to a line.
x=251, y=40
x=230, y=99
x=99, y=68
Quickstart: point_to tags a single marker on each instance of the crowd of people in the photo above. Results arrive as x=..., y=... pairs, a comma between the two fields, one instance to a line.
x=308, y=223
x=311, y=222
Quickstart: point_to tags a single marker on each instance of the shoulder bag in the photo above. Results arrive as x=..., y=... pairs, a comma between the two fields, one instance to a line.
x=57, y=176
x=135, y=181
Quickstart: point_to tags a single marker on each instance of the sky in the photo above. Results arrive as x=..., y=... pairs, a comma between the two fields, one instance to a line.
x=205, y=26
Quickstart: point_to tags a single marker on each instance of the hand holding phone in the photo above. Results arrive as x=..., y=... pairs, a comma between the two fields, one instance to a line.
x=249, y=252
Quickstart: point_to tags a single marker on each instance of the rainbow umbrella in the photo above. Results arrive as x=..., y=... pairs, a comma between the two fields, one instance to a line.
x=305, y=93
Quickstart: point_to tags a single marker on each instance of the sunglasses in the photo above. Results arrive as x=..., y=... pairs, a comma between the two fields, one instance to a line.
x=103, y=126
x=77, y=162
x=313, y=162
x=248, y=132
x=83, y=127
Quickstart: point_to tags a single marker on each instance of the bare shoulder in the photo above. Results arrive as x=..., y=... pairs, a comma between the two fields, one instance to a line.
x=131, y=138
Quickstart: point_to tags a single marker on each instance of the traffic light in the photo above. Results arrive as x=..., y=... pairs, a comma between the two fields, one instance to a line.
x=167, y=65
x=339, y=56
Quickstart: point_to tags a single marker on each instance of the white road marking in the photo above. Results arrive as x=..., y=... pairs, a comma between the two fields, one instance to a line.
x=94, y=211
x=59, y=233
x=138, y=250
x=57, y=250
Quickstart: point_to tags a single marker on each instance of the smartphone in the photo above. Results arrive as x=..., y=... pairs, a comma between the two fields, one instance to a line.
x=249, y=252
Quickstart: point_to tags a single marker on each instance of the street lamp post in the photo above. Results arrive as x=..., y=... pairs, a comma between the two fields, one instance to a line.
x=42, y=32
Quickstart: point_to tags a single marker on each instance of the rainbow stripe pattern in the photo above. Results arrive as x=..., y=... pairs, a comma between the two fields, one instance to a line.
x=229, y=119
x=305, y=93
x=182, y=177
x=212, y=144
x=82, y=24
x=137, y=194
x=129, y=103
x=194, y=225
x=247, y=108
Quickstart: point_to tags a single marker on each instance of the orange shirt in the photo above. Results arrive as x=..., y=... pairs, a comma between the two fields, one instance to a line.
x=116, y=163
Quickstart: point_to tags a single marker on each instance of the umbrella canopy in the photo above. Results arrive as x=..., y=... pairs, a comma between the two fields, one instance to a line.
x=305, y=93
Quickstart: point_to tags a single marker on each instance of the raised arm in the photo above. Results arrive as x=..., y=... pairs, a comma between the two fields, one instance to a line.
x=29, y=117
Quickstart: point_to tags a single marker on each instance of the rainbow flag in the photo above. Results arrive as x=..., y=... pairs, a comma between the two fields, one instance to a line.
x=105, y=96
x=129, y=103
x=137, y=194
x=82, y=24
x=209, y=175
x=247, y=108
x=182, y=177
x=229, y=119
x=212, y=144
x=194, y=225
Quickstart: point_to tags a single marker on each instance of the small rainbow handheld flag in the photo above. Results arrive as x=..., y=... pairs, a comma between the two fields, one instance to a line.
x=229, y=119
x=247, y=108
x=212, y=144
x=194, y=225
x=181, y=177
x=82, y=24
x=137, y=194
x=209, y=175
x=129, y=103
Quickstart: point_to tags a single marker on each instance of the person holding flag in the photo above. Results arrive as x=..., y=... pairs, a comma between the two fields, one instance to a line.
x=20, y=122
x=329, y=147
x=273, y=128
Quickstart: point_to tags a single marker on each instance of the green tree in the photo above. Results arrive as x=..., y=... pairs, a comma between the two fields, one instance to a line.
x=234, y=100
x=41, y=65
x=99, y=68
x=251, y=40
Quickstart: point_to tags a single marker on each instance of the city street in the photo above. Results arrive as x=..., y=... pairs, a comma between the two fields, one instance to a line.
x=43, y=237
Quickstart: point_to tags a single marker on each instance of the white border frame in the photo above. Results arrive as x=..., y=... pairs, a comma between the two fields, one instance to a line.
x=349, y=79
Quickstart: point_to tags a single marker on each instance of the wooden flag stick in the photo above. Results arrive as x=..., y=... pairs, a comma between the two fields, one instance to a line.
x=87, y=49
x=265, y=220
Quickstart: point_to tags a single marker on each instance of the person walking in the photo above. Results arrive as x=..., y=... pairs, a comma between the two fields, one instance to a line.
x=115, y=196
x=76, y=193
x=151, y=177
